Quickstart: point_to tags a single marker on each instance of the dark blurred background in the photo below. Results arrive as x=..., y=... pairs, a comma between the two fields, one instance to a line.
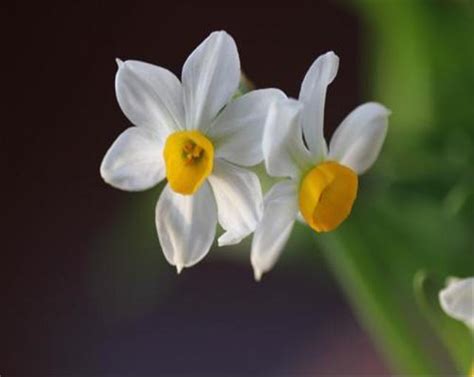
x=85, y=288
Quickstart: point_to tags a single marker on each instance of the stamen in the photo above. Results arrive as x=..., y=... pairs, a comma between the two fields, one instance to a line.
x=192, y=152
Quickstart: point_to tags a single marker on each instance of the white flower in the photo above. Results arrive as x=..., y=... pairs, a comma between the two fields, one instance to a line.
x=322, y=184
x=457, y=300
x=191, y=133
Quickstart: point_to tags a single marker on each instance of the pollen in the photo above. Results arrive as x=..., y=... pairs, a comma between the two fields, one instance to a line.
x=326, y=195
x=189, y=159
x=192, y=152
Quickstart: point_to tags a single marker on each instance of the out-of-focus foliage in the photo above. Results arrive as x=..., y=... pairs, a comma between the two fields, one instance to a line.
x=413, y=224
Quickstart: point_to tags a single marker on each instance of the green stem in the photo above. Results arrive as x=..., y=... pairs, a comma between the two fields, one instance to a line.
x=374, y=307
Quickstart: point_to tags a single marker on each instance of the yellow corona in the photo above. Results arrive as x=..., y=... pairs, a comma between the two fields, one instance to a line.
x=326, y=195
x=189, y=158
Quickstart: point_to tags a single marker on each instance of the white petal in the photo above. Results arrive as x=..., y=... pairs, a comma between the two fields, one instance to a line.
x=283, y=148
x=237, y=132
x=186, y=225
x=271, y=235
x=313, y=95
x=134, y=162
x=239, y=201
x=457, y=300
x=150, y=96
x=357, y=141
x=210, y=77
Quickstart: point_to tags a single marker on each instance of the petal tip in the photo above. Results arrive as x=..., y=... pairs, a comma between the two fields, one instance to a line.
x=385, y=111
x=331, y=54
x=179, y=268
x=119, y=62
x=230, y=238
x=220, y=33
x=102, y=169
x=104, y=172
x=257, y=275
x=378, y=108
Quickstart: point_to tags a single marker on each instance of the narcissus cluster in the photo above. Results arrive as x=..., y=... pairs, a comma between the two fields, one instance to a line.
x=201, y=138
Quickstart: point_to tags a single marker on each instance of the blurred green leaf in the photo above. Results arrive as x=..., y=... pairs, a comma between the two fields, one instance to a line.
x=415, y=210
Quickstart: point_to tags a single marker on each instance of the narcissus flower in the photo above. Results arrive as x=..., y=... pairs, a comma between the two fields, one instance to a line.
x=193, y=134
x=322, y=184
x=457, y=300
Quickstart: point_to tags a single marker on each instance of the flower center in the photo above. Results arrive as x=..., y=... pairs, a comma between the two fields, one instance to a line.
x=327, y=194
x=189, y=159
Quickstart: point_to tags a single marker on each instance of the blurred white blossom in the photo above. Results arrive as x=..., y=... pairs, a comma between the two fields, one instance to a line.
x=457, y=300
